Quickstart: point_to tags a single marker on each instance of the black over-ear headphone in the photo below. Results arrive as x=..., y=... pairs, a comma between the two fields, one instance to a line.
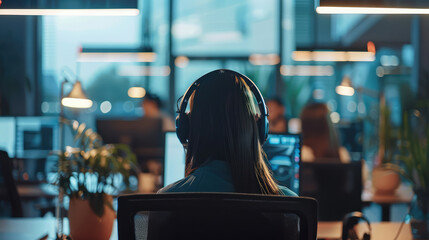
x=349, y=221
x=182, y=119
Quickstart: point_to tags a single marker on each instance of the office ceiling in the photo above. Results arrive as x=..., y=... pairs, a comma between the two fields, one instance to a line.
x=385, y=30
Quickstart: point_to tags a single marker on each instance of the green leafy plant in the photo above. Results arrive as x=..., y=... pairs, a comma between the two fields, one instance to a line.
x=388, y=137
x=414, y=154
x=92, y=171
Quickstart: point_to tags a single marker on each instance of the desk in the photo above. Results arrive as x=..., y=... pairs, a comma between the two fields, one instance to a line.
x=33, y=191
x=35, y=228
x=382, y=230
x=43, y=190
x=404, y=194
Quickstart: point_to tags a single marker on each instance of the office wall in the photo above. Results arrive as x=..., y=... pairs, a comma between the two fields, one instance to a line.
x=18, y=65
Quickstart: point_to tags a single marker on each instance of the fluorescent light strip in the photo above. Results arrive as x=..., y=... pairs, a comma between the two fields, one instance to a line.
x=370, y=10
x=138, y=71
x=333, y=56
x=261, y=59
x=72, y=12
x=306, y=70
x=117, y=57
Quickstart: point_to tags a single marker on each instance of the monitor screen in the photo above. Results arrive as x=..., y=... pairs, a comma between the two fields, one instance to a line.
x=138, y=133
x=36, y=137
x=7, y=135
x=174, y=159
x=144, y=136
x=283, y=154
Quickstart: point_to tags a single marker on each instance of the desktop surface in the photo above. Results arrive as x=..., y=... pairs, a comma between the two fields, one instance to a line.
x=283, y=154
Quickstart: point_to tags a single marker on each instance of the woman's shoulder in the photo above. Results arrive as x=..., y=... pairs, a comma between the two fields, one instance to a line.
x=214, y=176
x=182, y=185
x=287, y=192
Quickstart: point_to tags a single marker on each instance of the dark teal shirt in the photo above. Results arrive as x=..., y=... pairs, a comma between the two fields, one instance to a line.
x=213, y=176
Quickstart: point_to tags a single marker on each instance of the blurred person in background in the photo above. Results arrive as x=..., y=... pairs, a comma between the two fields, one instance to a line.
x=152, y=105
x=319, y=138
x=151, y=179
x=276, y=117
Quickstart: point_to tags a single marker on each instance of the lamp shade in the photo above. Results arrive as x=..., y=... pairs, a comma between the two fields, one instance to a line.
x=76, y=98
x=345, y=88
x=136, y=92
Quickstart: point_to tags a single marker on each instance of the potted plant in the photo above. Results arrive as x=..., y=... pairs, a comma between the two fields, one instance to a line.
x=414, y=159
x=384, y=179
x=89, y=174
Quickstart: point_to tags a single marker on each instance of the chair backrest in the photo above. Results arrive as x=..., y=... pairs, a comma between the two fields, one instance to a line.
x=216, y=216
x=336, y=186
x=11, y=192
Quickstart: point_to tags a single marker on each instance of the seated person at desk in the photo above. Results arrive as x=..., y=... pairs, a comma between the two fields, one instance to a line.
x=151, y=106
x=222, y=134
x=152, y=167
x=319, y=138
x=277, y=119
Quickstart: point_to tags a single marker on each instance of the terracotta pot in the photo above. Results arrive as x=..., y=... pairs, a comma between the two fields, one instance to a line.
x=385, y=181
x=85, y=224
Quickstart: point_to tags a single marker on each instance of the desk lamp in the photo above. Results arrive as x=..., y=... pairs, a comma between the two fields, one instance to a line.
x=75, y=99
x=345, y=88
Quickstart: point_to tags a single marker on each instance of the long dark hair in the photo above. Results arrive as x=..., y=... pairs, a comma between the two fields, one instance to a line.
x=223, y=126
x=318, y=132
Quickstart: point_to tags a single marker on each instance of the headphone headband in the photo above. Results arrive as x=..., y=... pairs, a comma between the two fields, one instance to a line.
x=263, y=127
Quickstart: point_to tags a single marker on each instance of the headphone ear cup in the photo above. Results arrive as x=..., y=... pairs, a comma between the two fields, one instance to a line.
x=267, y=127
x=366, y=236
x=263, y=129
x=182, y=128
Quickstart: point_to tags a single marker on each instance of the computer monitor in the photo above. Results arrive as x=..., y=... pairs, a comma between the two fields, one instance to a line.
x=283, y=154
x=139, y=132
x=144, y=135
x=174, y=159
x=36, y=137
x=284, y=157
x=8, y=133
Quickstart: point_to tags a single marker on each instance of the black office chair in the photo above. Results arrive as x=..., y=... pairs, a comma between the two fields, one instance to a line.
x=336, y=186
x=9, y=190
x=216, y=216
